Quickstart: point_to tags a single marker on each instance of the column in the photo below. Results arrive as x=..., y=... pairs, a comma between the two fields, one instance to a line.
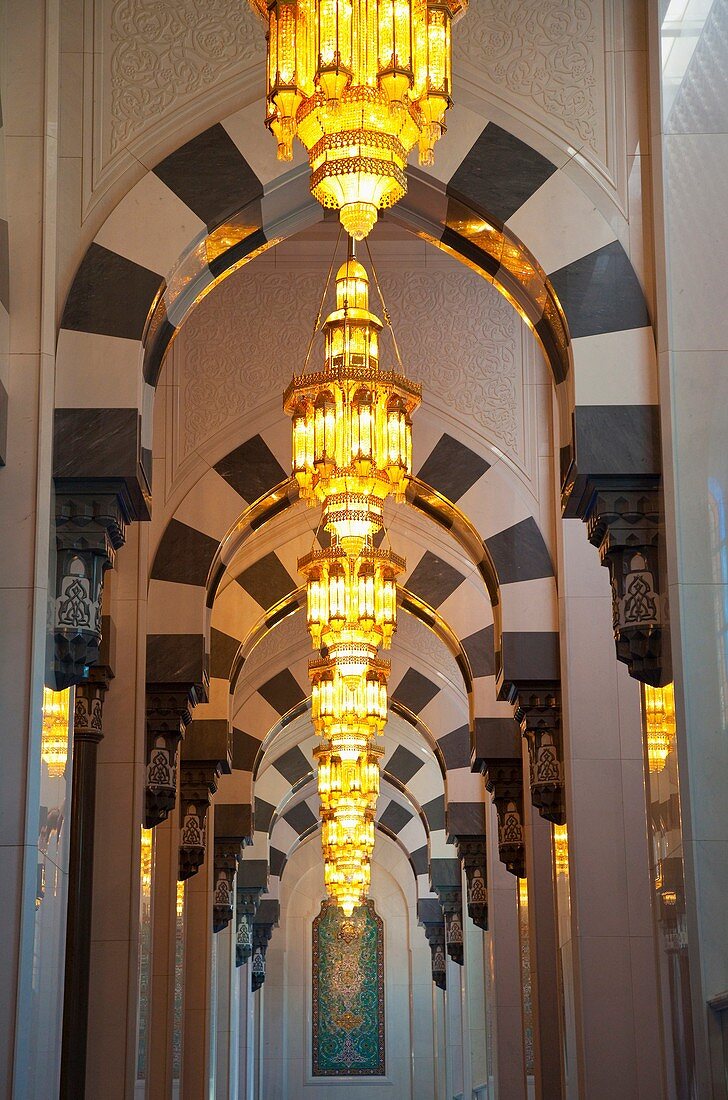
x=160, y=1066
x=690, y=151
x=614, y=975
x=197, y=1068
x=88, y=726
x=246, y=1034
x=475, y=1037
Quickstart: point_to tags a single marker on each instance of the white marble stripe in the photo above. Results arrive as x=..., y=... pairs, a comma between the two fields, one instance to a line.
x=560, y=224
x=439, y=847
x=529, y=606
x=258, y=146
x=151, y=226
x=272, y=786
x=211, y=505
x=616, y=368
x=486, y=704
x=188, y=602
x=464, y=786
x=97, y=372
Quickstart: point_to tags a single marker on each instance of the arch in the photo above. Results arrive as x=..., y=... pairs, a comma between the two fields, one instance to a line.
x=126, y=305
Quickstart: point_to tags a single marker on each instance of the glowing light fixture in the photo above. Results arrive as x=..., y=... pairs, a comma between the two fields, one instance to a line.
x=360, y=83
x=54, y=736
x=146, y=861
x=561, y=850
x=352, y=448
x=659, y=724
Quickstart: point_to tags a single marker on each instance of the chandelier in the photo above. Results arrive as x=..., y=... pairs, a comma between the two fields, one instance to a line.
x=352, y=449
x=360, y=83
x=54, y=735
x=659, y=724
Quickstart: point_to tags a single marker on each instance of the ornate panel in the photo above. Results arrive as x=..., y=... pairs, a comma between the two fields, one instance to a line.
x=348, y=993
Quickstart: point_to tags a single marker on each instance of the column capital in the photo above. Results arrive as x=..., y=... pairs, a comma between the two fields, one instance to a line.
x=265, y=920
x=168, y=712
x=624, y=523
x=90, y=527
x=198, y=783
x=504, y=780
x=537, y=709
x=472, y=851
x=226, y=856
x=430, y=917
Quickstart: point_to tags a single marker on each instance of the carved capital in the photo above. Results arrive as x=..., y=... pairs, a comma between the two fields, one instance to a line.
x=471, y=851
x=538, y=712
x=88, y=708
x=261, y=938
x=198, y=783
x=625, y=526
x=244, y=937
x=90, y=528
x=226, y=857
x=168, y=712
x=435, y=934
x=504, y=780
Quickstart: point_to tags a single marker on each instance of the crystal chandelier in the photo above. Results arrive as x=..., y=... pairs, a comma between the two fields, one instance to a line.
x=54, y=736
x=352, y=448
x=360, y=83
x=659, y=724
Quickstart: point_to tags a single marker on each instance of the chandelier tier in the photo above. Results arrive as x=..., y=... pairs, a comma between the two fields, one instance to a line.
x=360, y=83
x=54, y=736
x=352, y=449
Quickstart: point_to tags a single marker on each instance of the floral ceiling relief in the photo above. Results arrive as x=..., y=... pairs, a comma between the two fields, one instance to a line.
x=456, y=334
x=164, y=52
x=547, y=54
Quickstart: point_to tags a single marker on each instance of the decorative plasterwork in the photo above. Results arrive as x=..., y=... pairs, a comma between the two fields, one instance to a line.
x=460, y=338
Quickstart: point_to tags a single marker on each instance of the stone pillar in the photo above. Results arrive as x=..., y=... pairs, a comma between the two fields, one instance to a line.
x=265, y=920
x=88, y=731
x=160, y=1067
x=246, y=1032
x=226, y=1009
x=475, y=1040
x=197, y=1068
x=177, y=680
x=613, y=973
x=505, y=1011
x=546, y=993
x=206, y=755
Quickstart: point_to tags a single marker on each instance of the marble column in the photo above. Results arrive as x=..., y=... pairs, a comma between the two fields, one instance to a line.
x=474, y=1034
x=197, y=1068
x=613, y=970
x=226, y=1013
x=505, y=1009
x=116, y=923
x=160, y=1066
x=246, y=1035
x=545, y=985
x=689, y=140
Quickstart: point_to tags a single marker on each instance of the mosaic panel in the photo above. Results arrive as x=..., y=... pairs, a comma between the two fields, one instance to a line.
x=348, y=993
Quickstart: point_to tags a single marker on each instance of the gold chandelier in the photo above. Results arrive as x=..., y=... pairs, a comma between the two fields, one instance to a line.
x=352, y=448
x=54, y=735
x=659, y=724
x=360, y=83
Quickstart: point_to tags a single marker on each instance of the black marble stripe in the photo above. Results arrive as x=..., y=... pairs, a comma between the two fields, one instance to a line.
x=176, y=659
x=110, y=295
x=452, y=468
x=519, y=553
x=499, y=174
x=253, y=872
x=465, y=819
x=395, y=817
x=496, y=738
x=611, y=441
x=530, y=655
x=267, y=580
x=455, y=748
x=101, y=445
x=293, y=765
x=434, y=811
x=218, y=265
x=415, y=691
x=4, y=265
x=3, y=425
x=445, y=872
x=429, y=911
x=223, y=649
x=268, y=912
x=601, y=293
x=157, y=338
x=277, y=861
x=211, y=176
x=184, y=555
x=282, y=691
x=233, y=820
x=419, y=860
x=480, y=650
x=434, y=579
x=300, y=817
x=251, y=469
x=245, y=750
x=403, y=764
x=263, y=816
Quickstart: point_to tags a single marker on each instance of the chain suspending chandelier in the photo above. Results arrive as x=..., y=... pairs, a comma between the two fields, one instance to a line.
x=360, y=83
x=352, y=449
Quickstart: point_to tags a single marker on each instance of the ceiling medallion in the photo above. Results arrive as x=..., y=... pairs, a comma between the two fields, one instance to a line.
x=352, y=449
x=360, y=83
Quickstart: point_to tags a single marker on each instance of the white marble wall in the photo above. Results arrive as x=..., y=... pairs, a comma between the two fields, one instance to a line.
x=690, y=139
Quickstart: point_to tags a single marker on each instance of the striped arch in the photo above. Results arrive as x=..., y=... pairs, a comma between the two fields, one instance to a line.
x=220, y=573
x=504, y=209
